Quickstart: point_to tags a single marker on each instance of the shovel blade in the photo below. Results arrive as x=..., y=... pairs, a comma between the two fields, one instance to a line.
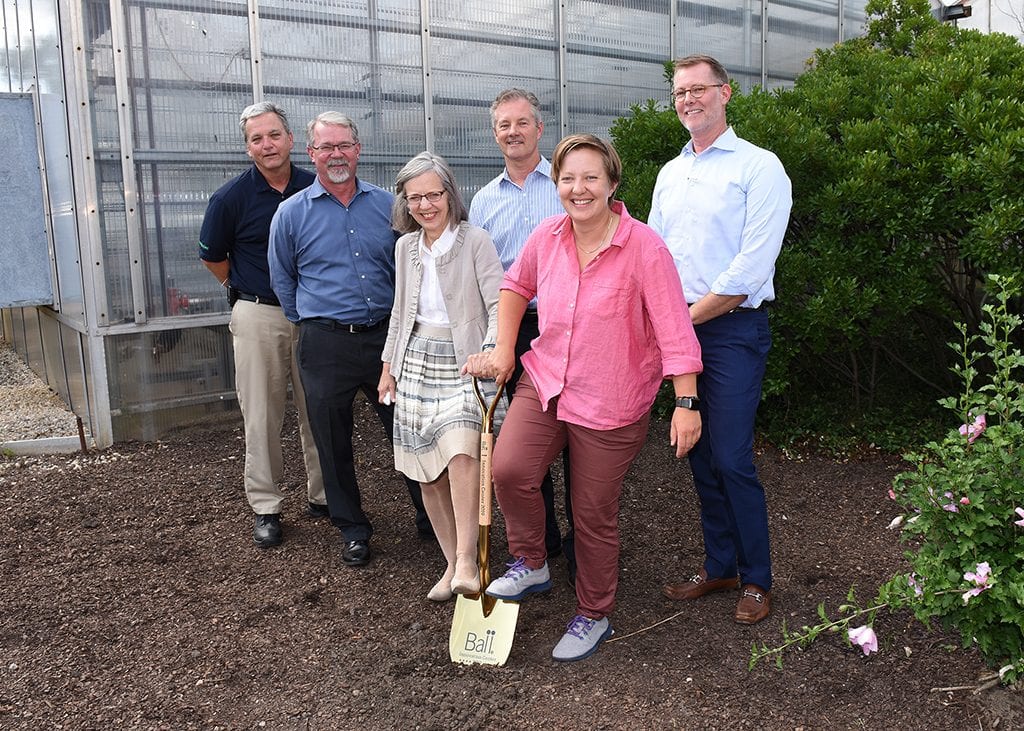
x=481, y=637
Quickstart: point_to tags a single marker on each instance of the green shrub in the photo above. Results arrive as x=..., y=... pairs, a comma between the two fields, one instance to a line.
x=905, y=149
x=964, y=503
x=965, y=498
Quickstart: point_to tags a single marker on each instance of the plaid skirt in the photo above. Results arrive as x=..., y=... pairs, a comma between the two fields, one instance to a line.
x=437, y=415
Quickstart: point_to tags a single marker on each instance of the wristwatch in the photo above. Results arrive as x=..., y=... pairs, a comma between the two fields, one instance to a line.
x=688, y=402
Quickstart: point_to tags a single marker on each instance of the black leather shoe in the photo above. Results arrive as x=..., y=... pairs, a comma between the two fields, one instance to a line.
x=266, y=530
x=355, y=553
x=316, y=510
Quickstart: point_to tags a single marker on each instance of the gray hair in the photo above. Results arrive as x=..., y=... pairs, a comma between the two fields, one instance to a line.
x=258, y=109
x=331, y=118
x=426, y=162
x=511, y=94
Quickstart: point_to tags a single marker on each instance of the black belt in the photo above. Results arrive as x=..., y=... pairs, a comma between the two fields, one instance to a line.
x=338, y=325
x=761, y=307
x=238, y=295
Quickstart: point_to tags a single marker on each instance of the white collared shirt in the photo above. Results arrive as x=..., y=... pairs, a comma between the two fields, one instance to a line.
x=723, y=214
x=431, y=309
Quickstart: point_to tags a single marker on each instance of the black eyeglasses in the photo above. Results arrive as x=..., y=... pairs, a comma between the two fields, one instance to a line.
x=433, y=197
x=696, y=91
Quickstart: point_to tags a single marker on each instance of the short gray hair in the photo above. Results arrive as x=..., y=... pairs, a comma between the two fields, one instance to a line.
x=331, y=118
x=511, y=94
x=426, y=162
x=258, y=109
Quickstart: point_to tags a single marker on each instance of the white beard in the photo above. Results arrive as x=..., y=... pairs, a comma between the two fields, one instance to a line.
x=338, y=173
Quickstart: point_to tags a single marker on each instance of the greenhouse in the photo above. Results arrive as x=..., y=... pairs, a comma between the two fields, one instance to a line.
x=124, y=114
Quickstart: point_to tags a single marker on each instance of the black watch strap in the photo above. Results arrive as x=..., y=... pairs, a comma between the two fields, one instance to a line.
x=688, y=402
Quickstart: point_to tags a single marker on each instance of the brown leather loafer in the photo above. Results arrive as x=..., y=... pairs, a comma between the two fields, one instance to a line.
x=754, y=604
x=699, y=585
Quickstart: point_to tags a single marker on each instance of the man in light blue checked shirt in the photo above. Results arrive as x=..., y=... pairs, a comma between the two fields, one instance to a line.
x=509, y=208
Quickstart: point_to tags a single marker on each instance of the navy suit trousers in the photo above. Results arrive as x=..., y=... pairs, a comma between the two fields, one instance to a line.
x=734, y=514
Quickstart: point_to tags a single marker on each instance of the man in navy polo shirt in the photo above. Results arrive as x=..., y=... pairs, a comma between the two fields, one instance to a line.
x=332, y=264
x=233, y=246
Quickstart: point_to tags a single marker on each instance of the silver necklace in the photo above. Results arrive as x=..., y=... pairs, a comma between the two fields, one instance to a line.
x=604, y=239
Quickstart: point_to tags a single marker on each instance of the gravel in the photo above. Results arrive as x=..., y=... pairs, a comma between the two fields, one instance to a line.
x=29, y=409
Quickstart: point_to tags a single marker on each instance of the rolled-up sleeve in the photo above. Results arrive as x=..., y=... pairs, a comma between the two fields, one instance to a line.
x=769, y=198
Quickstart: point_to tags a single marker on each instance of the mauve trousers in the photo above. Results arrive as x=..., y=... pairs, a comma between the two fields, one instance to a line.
x=530, y=440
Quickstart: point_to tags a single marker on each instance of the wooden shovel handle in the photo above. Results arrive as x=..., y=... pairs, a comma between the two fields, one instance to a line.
x=486, y=445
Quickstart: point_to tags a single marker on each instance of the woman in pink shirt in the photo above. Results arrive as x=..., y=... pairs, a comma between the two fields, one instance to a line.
x=613, y=325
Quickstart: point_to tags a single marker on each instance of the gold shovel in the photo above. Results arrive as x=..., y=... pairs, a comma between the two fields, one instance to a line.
x=483, y=627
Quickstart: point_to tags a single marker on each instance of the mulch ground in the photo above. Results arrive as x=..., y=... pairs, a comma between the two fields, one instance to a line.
x=132, y=596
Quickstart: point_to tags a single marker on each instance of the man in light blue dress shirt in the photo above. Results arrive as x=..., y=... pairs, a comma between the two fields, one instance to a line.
x=509, y=208
x=722, y=207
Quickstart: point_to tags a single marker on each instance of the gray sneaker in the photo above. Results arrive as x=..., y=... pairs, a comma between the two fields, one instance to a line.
x=582, y=637
x=519, y=581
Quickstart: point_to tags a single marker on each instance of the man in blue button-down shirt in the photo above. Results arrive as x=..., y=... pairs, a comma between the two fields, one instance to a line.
x=332, y=265
x=722, y=207
x=509, y=208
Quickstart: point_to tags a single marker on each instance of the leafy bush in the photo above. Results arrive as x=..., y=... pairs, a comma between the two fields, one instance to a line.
x=965, y=499
x=964, y=505
x=905, y=149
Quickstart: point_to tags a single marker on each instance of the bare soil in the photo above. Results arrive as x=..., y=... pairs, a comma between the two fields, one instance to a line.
x=132, y=596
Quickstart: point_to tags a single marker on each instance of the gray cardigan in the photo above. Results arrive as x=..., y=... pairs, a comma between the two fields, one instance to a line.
x=470, y=274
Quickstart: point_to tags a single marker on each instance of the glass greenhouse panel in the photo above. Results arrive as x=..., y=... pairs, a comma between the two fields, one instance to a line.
x=177, y=283
x=614, y=59
x=503, y=23
x=99, y=62
x=854, y=19
x=730, y=31
x=49, y=331
x=478, y=49
x=795, y=30
x=116, y=261
x=342, y=57
x=168, y=377
x=190, y=75
x=59, y=186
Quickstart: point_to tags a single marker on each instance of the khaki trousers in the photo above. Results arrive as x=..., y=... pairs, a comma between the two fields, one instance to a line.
x=264, y=345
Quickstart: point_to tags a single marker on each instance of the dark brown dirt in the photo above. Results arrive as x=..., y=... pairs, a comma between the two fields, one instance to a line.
x=133, y=597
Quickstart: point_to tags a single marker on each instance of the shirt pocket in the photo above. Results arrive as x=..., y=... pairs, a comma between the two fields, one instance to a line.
x=613, y=301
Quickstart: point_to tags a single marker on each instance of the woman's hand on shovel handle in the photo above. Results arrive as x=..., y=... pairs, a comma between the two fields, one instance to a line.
x=491, y=364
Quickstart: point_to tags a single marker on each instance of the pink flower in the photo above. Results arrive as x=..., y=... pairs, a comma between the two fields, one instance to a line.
x=892, y=494
x=950, y=506
x=865, y=638
x=1020, y=512
x=965, y=501
x=973, y=430
x=980, y=577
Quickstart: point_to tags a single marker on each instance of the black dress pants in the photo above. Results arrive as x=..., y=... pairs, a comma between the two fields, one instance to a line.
x=335, y=364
